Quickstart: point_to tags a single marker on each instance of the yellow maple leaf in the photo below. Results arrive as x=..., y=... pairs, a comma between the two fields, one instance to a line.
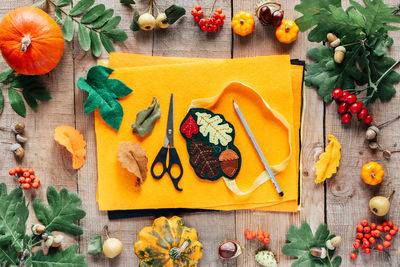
x=328, y=161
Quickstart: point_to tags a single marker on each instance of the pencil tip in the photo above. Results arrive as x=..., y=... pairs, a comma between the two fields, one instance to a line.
x=281, y=194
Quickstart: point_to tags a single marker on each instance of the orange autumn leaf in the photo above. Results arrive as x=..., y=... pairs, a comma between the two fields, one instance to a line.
x=328, y=161
x=74, y=142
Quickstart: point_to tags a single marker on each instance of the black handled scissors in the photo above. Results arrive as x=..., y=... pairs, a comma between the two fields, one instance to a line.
x=173, y=155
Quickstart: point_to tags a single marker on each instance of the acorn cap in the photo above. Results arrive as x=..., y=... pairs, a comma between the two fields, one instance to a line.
x=228, y=154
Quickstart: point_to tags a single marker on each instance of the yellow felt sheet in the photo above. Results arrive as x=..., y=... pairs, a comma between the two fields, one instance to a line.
x=272, y=77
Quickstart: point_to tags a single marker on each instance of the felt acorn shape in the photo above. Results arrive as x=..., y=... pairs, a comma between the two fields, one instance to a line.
x=229, y=162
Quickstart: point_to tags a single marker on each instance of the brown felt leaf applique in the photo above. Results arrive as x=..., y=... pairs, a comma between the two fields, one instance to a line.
x=328, y=161
x=146, y=119
x=133, y=158
x=206, y=165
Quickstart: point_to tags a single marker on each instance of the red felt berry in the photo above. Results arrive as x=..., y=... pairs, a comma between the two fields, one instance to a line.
x=202, y=22
x=390, y=224
x=356, y=245
x=204, y=28
x=360, y=228
x=26, y=174
x=21, y=180
x=367, y=230
x=355, y=108
x=219, y=10
x=215, y=28
x=367, y=236
x=386, y=244
x=197, y=18
x=221, y=22
x=359, y=235
x=392, y=232
x=200, y=13
x=32, y=177
x=364, y=222
x=222, y=16
x=260, y=235
x=353, y=256
x=379, y=228
x=197, y=7
x=344, y=95
x=31, y=171
x=266, y=235
x=24, y=170
x=364, y=239
x=388, y=237
x=395, y=228
x=28, y=180
x=357, y=240
x=17, y=170
x=266, y=241
x=366, y=244
x=384, y=224
x=343, y=107
x=36, y=180
x=193, y=12
x=367, y=250
x=368, y=119
x=372, y=240
x=11, y=172
x=253, y=234
x=337, y=93
x=363, y=114
x=377, y=233
x=373, y=226
x=351, y=99
x=216, y=15
x=26, y=186
x=379, y=247
x=386, y=229
x=35, y=185
x=346, y=118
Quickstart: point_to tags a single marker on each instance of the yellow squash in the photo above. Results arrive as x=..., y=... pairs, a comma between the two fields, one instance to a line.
x=372, y=173
x=287, y=32
x=168, y=243
x=243, y=23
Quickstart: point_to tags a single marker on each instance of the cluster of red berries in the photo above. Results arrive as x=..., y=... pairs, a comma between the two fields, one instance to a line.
x=208, y=24
x=348, y=105
x=369, y=235
x=26, y=177
x=261, y=236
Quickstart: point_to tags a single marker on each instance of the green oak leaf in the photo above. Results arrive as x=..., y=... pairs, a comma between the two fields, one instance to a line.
x=311, y=10
x=61, y=213
x=95, y=246
x=65, y=258
x=301, y=240
x=8, y=256
x=103, y=94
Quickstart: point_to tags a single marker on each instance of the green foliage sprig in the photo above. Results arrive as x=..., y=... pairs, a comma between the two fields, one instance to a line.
x=96, y=24
x=16, y=245
x=363, y=31
x=27, y=86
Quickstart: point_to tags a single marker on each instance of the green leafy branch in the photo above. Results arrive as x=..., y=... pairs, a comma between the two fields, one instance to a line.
x=16, y=246
x=22, y=86
x=96, y=25
x=363, y=31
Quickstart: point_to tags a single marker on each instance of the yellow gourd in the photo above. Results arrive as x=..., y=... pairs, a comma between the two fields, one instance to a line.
x=287, y=32
x=168, y=243
x=243, y=23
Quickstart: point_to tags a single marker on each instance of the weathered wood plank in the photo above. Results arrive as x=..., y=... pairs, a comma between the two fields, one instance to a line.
x=263, y=42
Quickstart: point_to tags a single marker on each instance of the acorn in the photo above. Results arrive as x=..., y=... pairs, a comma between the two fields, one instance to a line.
x=371, y=133
x=162, y=21
x=333, y=243
x=229, y=250
x=21, y=139
x=318, y=252
x=333, y=40
x=229, y=162
x=339, y=54
x=373, y=145
x=147, y=22
x=38, y=229
x=18, y=151
x=18, y=127
x=57, y=241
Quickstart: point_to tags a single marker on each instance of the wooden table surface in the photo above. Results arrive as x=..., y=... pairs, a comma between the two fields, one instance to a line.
x=342, y=202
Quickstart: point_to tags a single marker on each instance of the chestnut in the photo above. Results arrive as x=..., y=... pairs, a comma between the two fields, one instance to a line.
x=269, y=13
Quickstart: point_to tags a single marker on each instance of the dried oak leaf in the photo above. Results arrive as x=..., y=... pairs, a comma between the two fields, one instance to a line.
x=133, y=158
x=74, y=142
x=146, y=119
x=328, y=161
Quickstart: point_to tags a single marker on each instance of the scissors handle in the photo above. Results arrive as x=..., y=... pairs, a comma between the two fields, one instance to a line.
x=173, y=160
x=162, y=159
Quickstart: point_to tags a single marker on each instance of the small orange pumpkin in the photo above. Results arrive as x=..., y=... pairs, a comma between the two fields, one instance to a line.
x=31, y=42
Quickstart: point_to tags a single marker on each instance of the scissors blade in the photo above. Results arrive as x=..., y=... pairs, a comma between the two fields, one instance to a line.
x=170, y=123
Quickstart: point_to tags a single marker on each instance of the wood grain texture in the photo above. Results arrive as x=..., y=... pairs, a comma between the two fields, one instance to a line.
x=346, y=195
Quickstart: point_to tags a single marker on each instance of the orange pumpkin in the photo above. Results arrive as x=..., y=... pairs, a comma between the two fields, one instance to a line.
x=31, y=42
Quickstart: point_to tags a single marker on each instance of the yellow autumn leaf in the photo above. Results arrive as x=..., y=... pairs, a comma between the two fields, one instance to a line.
x=328, y=161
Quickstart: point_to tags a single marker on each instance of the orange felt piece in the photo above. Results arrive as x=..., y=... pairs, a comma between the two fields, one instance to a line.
x=74, y=142
x=184, y=81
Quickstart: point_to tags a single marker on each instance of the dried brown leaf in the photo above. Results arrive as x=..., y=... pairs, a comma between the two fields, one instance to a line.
x=133, y=158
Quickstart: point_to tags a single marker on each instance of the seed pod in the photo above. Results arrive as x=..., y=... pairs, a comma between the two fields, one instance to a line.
x=372, y=132
x=38, y=229
x=18, y=127
x=229, y=250
x=339, y=54
x=318, y=252
x=18, y=151
x=162, y=21
x=373, y=145
x=20, y=138
x=387, y=154
x=333, y=243
x=146, y=22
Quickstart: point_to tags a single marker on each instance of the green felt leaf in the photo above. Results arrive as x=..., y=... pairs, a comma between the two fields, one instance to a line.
x=84, y=37
x=146, y=119
x=62, y=3
x=68, y=28
x=103, y=93
x=81, y=7
x=95, y=245
x=39, y=3
x=93, y=14
x=135, y=24
x=95, y=43
x=16, y=102
x=65, y=258
x=13, y=216
x=107, y=14
x=301, y=240
x=311, y=10
x=174, y=13
x=111, y=24
x=58, y=16
x=108, y=45
x=117, y=35
x=6, y=74
x=8, y=256
x=61, y=213
x=129, y=2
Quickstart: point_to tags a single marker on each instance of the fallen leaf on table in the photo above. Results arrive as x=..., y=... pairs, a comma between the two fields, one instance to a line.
x=74, y=142
x=328, y=161
x=146, y=119
x=103, y=94
x=133, y=158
